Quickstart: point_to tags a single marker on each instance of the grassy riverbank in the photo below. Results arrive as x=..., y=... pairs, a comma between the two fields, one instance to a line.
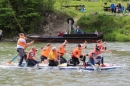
x=115, y=26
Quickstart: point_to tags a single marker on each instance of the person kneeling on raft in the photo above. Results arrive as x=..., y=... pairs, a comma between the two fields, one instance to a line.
x=31, y=57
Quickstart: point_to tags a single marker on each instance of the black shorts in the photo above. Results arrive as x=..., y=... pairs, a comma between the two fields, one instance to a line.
x=31, y=63
x=53, y=63
x=43, y=58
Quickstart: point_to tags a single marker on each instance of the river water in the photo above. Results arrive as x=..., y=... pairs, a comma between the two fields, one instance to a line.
x=26, y=77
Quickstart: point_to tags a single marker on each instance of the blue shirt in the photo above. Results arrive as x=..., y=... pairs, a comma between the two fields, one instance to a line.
x=112, y=6
x=78, y=31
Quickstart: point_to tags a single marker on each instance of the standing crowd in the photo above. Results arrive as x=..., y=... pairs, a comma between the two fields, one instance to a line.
x=119, y=8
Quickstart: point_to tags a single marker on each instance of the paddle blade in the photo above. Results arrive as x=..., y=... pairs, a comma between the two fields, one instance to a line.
x=8, y=62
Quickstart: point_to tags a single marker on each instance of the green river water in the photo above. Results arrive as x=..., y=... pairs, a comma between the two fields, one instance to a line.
x=29, y=77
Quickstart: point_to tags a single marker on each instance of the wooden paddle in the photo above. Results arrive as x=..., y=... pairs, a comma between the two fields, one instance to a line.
x=59, y=58
x=111, y=54
x=59, y=46
x=114, y=58
x=84, y=46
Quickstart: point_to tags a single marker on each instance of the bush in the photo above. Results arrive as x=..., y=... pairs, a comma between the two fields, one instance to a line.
x=114, y=28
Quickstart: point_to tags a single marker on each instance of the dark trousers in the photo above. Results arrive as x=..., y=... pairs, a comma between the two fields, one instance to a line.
x=75, y=61
x=91, y=61
x=83, y=58
x=22, y=55
x=113, y=10
x=53, y=63
x=100, y=60
x=43, y=58
x=62, y=60
x=31, y=62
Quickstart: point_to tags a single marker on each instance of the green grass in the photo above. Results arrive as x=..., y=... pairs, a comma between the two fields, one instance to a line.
x=90, y=8
x=115, y=28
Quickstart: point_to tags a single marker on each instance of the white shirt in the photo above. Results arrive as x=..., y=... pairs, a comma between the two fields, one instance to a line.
x=21, y=40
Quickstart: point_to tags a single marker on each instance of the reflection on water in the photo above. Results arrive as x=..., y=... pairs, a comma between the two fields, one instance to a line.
x=28, y=77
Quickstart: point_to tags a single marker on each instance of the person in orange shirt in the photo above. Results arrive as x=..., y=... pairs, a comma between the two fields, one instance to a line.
x=21, y=46
x=45, y=53
x=77, y=54
x=61, y=52
x=53, y=57
x=103, y=49
x=31, y=57
x=94, y=55
x=100, y=44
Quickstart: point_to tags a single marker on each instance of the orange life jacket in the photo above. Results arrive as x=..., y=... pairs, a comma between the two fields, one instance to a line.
x=100, y=46
x=31, y=51
x=46, y=52
x=62, y=50
x=23, y=44
x=76, y=52
x=95, y=52
x=53, y=55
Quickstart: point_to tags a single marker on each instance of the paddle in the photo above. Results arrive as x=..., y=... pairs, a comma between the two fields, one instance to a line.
x=9, y=62
x=59, y=47
x=83, y=56
x=111, y=53
x=59, y=58
x=114, y=58
x=83, y=59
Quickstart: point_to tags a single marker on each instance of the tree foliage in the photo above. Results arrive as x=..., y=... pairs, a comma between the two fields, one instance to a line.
x=23, y=15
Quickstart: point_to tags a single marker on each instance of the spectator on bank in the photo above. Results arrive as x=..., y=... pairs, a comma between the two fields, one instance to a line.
x=78, y=30
x=96, y=32
x=122, y=9
x=118, y=7
x=112, y=6
x=83, y=9
x=127, y=10
x=61, y=34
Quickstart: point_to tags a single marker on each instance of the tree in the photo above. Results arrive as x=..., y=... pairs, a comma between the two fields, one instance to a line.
x=23, y=15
